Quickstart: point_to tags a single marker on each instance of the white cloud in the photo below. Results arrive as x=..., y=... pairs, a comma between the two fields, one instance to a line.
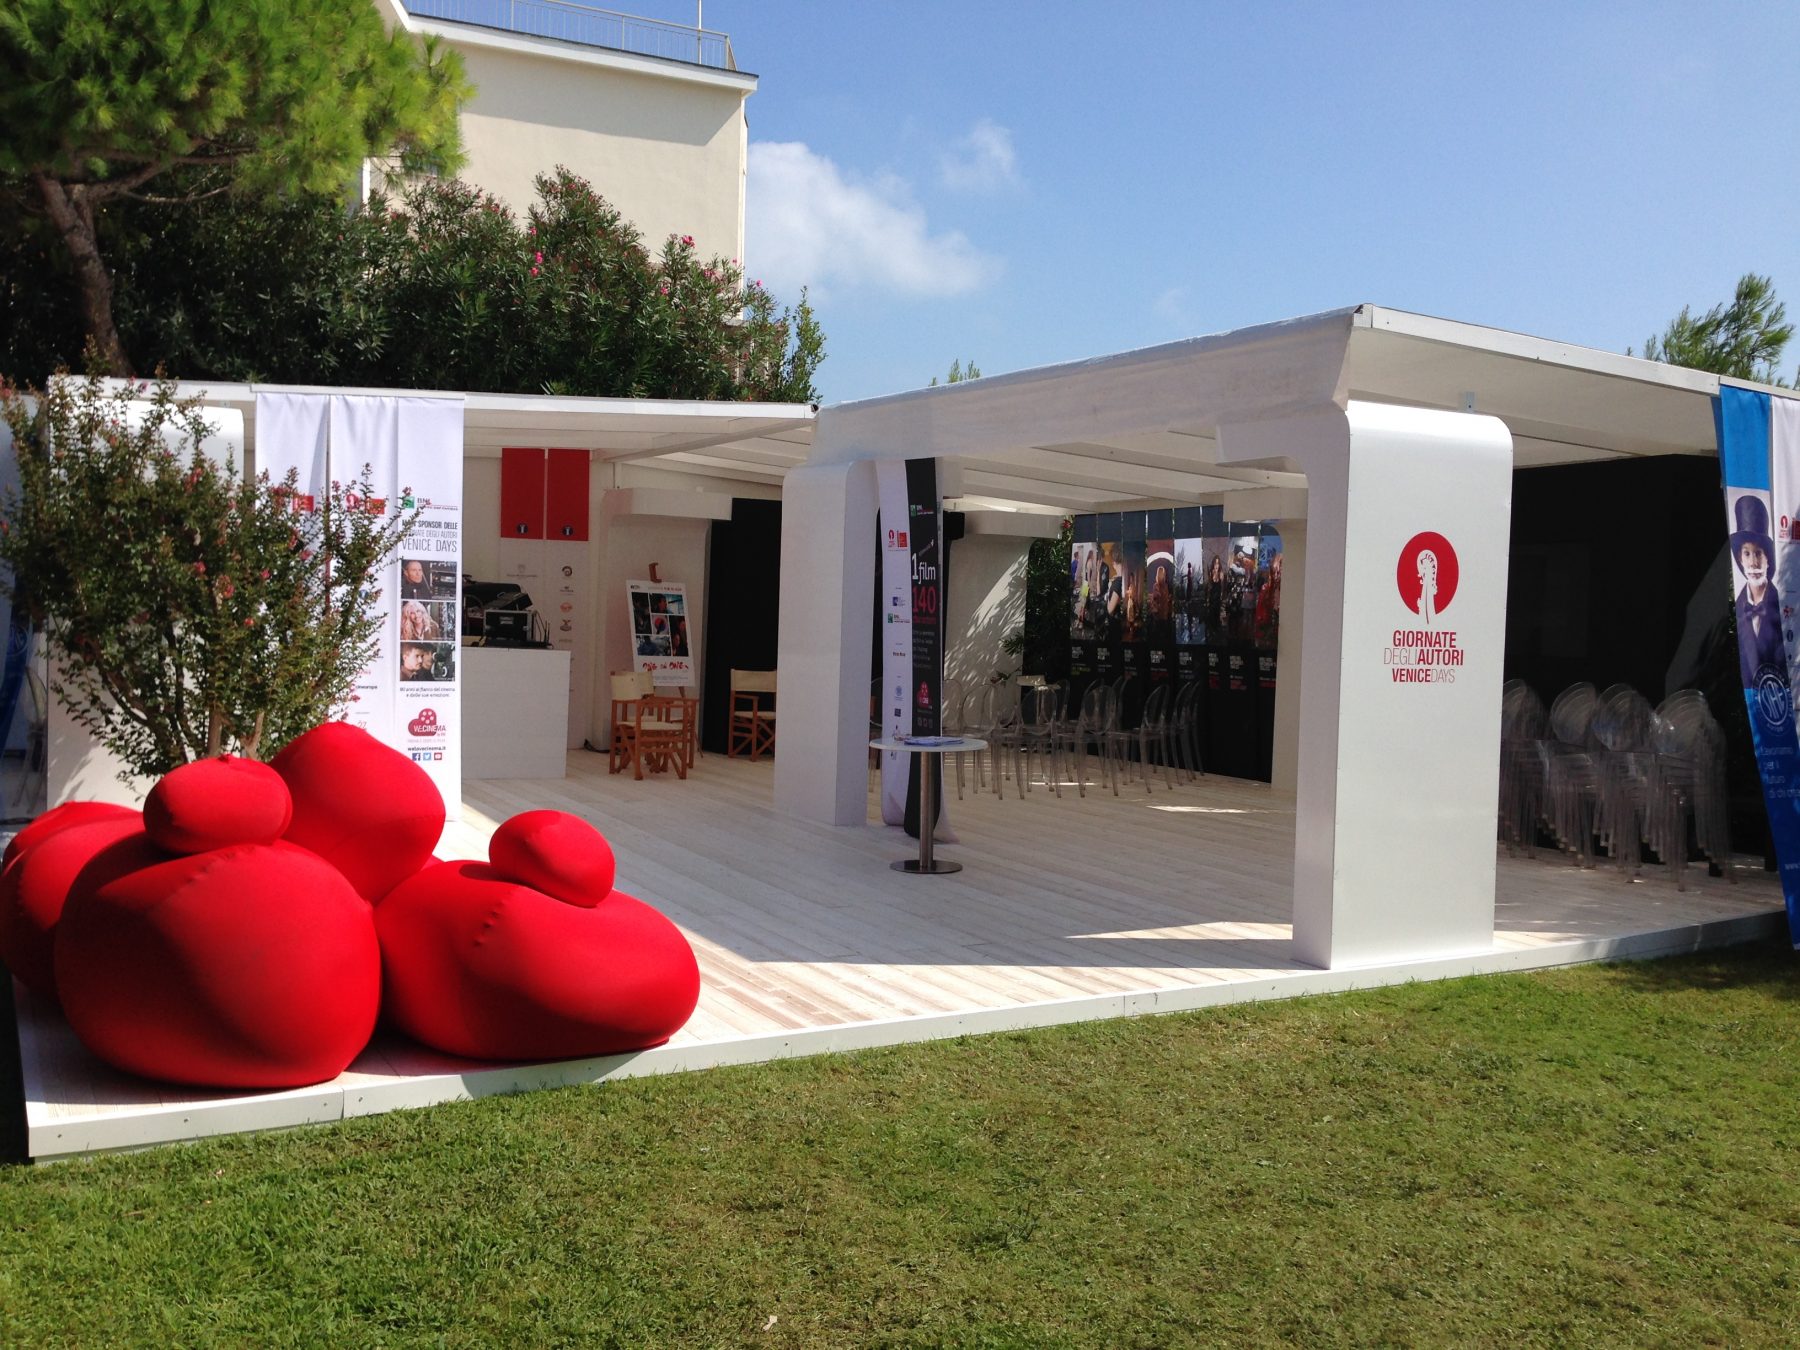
x=982, y=161
x=807, y=224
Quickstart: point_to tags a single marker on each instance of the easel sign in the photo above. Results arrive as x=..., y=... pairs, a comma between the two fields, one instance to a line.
x=660, y=642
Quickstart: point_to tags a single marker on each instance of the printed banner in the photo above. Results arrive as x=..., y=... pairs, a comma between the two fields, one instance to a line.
x=410, y=695
x=659, y=631
x=912, y=677
x=1759, y=450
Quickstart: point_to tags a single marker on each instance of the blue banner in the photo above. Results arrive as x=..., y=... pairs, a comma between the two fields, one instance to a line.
x=1745, y=455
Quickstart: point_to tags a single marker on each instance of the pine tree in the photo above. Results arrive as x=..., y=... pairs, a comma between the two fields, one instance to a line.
x=99, y=99
x=1744, y=339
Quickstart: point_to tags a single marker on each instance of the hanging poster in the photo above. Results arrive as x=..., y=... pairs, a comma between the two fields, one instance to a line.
x=1758, y=434
x=409, y=696
x=660, y=637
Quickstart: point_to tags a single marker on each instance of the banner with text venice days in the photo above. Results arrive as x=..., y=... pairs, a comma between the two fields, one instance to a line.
x=1759, y=452
x=410, y=696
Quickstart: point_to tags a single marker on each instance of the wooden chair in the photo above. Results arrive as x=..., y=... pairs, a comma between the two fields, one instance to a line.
x=752, y=728
x=648, y=728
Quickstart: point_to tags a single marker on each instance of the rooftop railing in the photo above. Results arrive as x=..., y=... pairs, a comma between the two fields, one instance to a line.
x=588, y=26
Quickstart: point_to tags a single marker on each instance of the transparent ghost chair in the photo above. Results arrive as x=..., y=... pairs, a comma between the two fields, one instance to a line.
x=1088, y=727
x=1688, y=786
x=1040, y=718
x=1003, y=730
x=1573, y=779
x=1122, y=726
x=1184, y=729
x=1153, y=733
x=1524, y=761
x=1622, y=726
x=953, y=723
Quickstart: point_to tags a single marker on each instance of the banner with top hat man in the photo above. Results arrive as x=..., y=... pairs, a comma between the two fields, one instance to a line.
x=1758, y=615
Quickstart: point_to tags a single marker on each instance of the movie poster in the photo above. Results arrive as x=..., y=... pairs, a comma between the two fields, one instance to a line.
x=1084, y=591
x=1159, y=593
x=1266, y=623
x=659, y=631
x=1240, y=581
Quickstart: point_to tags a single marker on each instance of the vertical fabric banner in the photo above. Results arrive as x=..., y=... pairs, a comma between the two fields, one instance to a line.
x=365, y=437
x=1752, y=442
x=426, y=706
x=896, y=634
x=912, y=680
x=409, y=697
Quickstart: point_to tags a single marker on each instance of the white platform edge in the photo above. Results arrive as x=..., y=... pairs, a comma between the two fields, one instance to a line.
x=72, y=1136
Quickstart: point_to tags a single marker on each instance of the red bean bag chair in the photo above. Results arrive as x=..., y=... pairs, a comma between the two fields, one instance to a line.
x=533, y=964
x=362, y=806
x=249, y=966
x=36, y=882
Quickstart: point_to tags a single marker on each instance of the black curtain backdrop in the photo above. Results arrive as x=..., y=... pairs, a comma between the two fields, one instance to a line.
x=743, y=597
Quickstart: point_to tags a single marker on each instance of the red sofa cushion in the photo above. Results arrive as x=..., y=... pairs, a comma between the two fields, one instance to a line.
x=474, y=964
x=362, y=806
x=213, y=803
x=254, y=966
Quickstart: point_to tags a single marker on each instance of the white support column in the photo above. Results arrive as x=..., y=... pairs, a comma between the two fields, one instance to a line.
x=1399, y=724
x=827, y=616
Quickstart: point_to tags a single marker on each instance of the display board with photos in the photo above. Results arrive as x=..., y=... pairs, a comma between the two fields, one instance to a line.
x=660, y=639
x=1183, y=595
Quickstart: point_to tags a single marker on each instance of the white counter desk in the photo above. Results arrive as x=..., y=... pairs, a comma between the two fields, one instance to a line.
x=515, y=711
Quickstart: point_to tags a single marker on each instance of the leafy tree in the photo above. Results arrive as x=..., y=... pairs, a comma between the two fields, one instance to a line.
x=958, y=373
x=1744, y=338
x=99, y=100
x=1043, y=640
x=441, y=288
x=220, y=616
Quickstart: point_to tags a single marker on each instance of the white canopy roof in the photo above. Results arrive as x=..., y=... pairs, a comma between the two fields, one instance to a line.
x=1141, y=428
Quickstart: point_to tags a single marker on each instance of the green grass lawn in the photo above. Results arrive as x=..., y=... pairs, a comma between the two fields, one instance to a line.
x=1601, y=1154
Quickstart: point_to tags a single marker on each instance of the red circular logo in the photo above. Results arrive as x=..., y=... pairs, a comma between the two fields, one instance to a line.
x=1427, y=574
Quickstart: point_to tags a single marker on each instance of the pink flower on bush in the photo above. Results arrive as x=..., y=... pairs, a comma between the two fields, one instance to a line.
x=199, y=569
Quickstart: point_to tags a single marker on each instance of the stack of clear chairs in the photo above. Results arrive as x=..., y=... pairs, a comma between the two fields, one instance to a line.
x=1688, y=786
x=1572, y=781
x=1621, y=727
x=1524, y=763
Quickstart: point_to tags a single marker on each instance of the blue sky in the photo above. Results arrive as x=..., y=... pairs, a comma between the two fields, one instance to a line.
x=1019, y=184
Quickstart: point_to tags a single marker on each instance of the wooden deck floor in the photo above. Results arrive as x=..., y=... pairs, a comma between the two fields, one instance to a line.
x=1066, y=909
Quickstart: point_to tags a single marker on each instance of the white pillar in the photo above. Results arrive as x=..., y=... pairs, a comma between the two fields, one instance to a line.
x=827, y=617
x=1394, y=853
